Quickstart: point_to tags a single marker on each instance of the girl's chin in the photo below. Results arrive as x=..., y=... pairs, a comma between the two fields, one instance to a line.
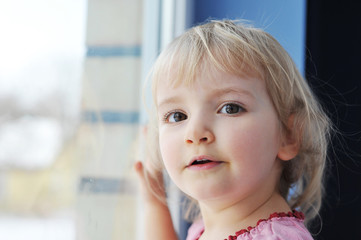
x=207, y=194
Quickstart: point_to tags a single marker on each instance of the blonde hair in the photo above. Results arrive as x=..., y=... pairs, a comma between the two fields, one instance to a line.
x=236, y=48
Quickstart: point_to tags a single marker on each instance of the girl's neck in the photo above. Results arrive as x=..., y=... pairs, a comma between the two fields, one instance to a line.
x=222, y=222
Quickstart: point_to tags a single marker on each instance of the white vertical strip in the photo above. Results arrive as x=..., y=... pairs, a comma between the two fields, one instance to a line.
x=180, y=17
x=168, y=21
x=150, y=48
x=150, y=51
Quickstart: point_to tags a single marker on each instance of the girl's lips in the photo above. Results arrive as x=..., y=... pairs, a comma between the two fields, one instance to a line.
x=203, y=163
x=204, y=166
x=201, y=158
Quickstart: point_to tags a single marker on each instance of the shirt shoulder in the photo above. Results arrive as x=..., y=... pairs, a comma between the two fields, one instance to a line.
x=195, y=230
x=280, y=226
x=277, y=228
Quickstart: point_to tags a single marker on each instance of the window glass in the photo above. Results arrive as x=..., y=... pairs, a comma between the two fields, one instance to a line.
x=69, y=100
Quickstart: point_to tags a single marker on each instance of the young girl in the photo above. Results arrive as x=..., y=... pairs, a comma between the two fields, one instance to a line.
x=239, y=131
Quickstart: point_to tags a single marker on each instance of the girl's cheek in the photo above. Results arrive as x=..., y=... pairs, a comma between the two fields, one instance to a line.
x=166, y=144
x=170, y=148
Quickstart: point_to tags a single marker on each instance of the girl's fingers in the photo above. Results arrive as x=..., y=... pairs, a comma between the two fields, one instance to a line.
x=151, y=187
x=138, y=166
x=139, y=169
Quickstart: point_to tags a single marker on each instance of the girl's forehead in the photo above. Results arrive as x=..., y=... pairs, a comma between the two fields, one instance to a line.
x=205, y=73
x=211, y=79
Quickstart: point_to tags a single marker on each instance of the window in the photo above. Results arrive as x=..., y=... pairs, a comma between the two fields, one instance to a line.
x=42, y=49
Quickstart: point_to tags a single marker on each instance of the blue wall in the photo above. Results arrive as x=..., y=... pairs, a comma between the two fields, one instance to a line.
x=283, y=19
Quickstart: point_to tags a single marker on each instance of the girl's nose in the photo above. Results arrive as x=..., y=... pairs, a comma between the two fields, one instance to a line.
x=198, y=133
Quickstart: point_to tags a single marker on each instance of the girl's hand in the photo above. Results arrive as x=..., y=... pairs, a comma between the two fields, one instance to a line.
x=158, y=220
x=152, y=185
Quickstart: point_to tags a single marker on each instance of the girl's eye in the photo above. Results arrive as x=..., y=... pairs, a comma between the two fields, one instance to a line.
x=231, y=108
x=175, y=117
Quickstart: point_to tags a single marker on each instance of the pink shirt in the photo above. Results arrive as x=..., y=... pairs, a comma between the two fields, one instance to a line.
x=279, y=226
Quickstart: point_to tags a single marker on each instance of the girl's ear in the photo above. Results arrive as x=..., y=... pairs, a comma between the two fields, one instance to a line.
x=290, y=144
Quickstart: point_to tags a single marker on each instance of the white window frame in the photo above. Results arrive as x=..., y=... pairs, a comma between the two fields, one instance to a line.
x=163, y=20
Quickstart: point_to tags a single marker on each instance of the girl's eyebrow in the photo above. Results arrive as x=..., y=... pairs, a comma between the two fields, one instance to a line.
x=231, y=90
x=213, y=93
x=168, y=100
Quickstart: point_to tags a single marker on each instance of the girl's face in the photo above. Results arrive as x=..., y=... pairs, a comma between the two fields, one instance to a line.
x=220, y=137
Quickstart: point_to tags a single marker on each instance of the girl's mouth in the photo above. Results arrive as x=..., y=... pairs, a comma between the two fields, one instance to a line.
x=202, y=163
